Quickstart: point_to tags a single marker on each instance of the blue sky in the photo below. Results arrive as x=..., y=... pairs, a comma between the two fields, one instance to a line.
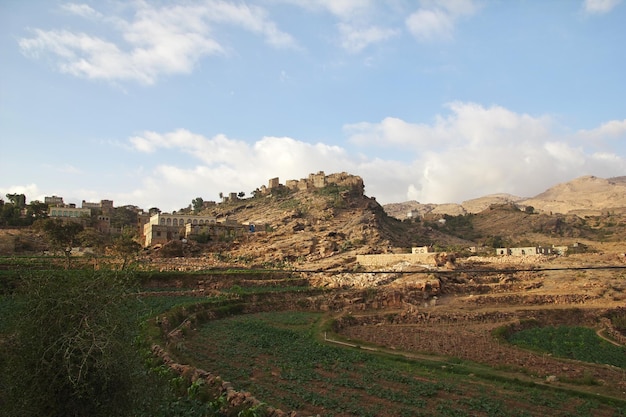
x=154, y=103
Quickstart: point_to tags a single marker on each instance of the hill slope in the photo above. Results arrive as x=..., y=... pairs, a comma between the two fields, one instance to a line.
x=583, y=196
x=321, y=227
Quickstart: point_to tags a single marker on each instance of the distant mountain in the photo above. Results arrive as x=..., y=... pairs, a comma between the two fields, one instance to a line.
x=476, y=205
x=583, y=196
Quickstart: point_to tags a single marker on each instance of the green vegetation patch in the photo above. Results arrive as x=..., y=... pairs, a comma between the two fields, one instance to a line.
x=278, y=357
x=571, y=342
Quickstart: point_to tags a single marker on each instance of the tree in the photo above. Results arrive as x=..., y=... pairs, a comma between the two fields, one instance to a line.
x=62, y=236
x=123, y=216
x=10, y=215
x=19, y=200
x=241, y=194
x=36, y=210
x=154, y=210
x=529, y=210
x=126, y=247
x=197, y=204
x=71, y=349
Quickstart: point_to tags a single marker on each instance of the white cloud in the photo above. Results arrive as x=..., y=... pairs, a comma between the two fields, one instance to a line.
x=343, y=9
x=355, y=39
x=158, y=40
x=356, y=31
x=427, y=25
x=467, y=152
x=436, y=20
x=31, y=191
x=475, y=151
x=613, y=129
x=600, y=6
x=82, y=10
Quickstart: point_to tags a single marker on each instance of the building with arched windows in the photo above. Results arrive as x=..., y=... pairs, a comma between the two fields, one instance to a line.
x=180, y=220
x=163, y=227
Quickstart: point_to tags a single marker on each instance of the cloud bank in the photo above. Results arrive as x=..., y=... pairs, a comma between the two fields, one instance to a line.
x=466, y=152
x=155, y=40
x=143, y=41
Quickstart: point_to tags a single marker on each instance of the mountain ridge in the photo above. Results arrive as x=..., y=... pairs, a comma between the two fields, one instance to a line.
x=583, y=196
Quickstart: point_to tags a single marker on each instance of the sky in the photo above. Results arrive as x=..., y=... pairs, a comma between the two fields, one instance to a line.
x=154, y=103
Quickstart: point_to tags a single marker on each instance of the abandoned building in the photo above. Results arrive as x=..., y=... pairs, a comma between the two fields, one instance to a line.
x=315, y=181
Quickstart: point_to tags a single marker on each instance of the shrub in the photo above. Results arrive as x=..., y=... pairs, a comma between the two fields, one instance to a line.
x=70, y=350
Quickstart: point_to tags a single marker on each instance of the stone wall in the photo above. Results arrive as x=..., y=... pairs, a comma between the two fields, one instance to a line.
x=388, y=259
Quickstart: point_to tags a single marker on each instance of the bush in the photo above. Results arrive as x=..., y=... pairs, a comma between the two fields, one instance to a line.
x=70, y=347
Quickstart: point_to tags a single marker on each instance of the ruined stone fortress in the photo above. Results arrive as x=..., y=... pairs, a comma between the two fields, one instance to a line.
x=319, y=180
x=161, y=228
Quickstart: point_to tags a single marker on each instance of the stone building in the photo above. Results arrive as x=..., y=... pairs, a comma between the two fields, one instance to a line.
x=422, y=249
x=525, y=251
x=105, y=206
x=321, y=180
x=54, y=201
x=69, y=212
x=162, y=228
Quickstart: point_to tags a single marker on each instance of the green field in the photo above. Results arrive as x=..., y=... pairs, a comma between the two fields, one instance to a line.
x=570, y=342
x=279, y=358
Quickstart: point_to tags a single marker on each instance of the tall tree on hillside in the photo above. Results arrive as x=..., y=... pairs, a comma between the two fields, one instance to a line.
x=19, y=200
x=36, y=210
x=197, y=204
x=126, y=247
x=123, y=216
x=62, y=236
x=10, y=215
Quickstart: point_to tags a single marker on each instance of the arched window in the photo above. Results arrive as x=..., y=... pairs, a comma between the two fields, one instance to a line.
x=175, y=222
x=195, y=221
x=169, y=221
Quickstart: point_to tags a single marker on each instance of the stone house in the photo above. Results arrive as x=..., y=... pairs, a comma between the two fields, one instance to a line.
x=163, y=227
x=422, y=249
x=525, y=251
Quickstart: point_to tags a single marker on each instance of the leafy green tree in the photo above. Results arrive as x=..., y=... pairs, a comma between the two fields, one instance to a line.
x=126, y=247
x=10, y=215
x=123, y=216
x=62, y=236
x=36, y=210
x=495, y=242
x=71, y=350
x=197, y=204
x=19, y=200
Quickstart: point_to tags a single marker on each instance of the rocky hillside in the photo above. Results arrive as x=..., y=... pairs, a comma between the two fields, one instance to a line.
x=584, y=196
x=320, y=226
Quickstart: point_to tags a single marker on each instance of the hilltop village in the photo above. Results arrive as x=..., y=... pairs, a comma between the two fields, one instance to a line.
x=199, y=222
